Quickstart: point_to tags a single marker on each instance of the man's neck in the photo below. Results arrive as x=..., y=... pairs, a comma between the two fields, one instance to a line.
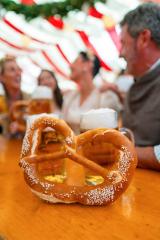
x=152, y=55
x=147, y=66
x=154, y=65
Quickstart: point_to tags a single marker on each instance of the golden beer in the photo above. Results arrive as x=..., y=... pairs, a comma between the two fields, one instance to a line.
x=38, y=106
x=42, y=101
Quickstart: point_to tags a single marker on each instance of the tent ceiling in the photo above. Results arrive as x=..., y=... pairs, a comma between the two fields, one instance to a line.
x=54, y=44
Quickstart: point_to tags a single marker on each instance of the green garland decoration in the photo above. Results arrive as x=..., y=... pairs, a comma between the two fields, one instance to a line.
x=46, y=10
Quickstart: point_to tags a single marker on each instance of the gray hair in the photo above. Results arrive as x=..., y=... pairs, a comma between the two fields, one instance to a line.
x=145, y=16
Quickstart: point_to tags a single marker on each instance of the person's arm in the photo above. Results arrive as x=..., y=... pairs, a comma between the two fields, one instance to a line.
x=112, y=87
x=147, y=158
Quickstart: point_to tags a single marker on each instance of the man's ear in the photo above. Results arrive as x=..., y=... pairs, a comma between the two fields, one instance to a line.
x=144, y=38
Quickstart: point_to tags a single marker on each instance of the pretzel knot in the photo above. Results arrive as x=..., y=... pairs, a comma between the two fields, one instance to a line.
x=106, y=158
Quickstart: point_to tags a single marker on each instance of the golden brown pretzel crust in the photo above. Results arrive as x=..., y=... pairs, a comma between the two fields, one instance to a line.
x=81, y=149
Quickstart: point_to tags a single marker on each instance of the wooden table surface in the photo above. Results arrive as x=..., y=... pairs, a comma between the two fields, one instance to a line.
x=23, y=216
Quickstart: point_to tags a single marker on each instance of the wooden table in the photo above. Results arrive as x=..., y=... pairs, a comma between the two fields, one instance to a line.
x=23, y=216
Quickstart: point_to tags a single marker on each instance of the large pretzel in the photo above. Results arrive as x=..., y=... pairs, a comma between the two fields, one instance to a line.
x=88, y=149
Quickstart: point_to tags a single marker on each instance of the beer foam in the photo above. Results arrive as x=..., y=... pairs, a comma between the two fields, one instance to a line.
x=99, y=118
x=42, y=92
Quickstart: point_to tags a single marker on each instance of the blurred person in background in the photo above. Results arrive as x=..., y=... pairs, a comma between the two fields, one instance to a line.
x=103, y=84
x=87, y=96
x=140, y=39
x=120, y=86
x=124, y=82
x=10, y=76
x=48, y=78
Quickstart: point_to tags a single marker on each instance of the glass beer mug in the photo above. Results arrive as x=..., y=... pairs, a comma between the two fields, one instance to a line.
x=42, y=101
x=103, y=118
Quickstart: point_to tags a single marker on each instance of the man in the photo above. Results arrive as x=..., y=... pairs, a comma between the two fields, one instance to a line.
x=140, y=40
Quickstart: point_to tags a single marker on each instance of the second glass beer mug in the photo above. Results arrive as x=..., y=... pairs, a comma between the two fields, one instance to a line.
x=103, y=151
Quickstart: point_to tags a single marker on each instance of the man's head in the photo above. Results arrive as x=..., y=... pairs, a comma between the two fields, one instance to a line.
x=81, y=66
x=10, y=74
x=140, y=38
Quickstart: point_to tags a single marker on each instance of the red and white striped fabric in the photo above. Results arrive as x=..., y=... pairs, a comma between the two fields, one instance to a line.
x=54, y=43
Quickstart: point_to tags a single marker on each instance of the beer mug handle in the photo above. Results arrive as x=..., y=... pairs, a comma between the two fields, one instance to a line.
x=128, y=133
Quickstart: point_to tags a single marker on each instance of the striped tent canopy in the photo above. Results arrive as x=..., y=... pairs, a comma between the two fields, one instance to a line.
x=53, y=43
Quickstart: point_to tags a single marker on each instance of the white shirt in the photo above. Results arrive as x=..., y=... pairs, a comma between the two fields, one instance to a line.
x=72, y=109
